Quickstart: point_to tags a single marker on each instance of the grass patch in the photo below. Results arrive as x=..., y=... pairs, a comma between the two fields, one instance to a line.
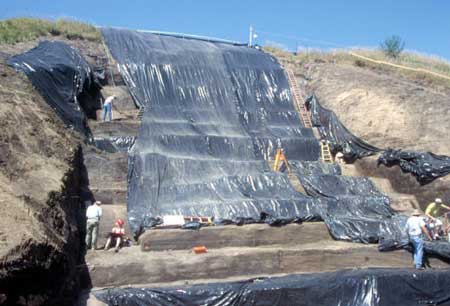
x=342, y=56
x=24, y=29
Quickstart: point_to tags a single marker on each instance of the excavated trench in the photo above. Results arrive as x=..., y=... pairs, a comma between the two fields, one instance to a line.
x=47, y=272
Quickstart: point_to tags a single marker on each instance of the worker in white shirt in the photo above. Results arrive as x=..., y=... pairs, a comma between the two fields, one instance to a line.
x=107, y=108
x=339, y=158
x=415, y=227
x=93, y=215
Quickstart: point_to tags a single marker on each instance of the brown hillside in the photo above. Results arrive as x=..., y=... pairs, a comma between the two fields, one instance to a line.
x=41, y=175
x=387, y=107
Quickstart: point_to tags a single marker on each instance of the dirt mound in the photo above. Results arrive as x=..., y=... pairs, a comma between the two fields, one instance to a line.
x=41, y=176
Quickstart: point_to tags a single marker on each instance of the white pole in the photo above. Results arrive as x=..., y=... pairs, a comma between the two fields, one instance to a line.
x=250, y=37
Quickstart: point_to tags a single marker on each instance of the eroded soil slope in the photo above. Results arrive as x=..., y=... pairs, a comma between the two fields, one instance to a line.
x=383, y=107
x=41, y=176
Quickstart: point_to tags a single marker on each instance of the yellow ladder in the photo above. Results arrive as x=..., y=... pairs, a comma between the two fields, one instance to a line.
x=325, y=152
x=299, y=99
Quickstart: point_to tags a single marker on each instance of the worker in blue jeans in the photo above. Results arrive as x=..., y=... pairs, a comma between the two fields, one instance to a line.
x=416, y=228
x=107, y=108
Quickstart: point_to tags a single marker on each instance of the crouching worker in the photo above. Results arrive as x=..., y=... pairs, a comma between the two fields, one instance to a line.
x=116, y=236
x=434, y=227
x=433, y=211
x=416, y=227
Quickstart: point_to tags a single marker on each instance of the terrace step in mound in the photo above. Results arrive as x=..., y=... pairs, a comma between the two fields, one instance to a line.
x=251, y=235
x=110, y=195
x=132, y=266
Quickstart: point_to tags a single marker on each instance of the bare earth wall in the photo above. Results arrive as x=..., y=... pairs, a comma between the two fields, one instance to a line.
x=41, y=178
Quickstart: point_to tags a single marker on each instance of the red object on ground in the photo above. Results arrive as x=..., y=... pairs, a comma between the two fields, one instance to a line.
x=200, y=249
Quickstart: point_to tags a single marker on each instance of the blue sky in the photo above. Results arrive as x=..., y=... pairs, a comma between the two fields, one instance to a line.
x=423, y=24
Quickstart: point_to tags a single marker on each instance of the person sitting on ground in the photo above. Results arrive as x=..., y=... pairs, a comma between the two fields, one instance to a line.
x=107, y=108
x=116, y=235
x=415, y=226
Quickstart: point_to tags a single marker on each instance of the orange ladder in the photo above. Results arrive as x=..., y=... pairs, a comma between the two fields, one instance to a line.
x=299, y=100
x=280, y=158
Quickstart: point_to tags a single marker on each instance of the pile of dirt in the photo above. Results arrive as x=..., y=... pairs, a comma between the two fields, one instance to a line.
x=41, y=179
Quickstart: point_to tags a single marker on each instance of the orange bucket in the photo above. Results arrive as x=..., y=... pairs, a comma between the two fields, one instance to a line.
x=200, y=249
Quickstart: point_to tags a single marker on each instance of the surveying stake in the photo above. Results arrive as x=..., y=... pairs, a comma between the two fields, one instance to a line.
x=280, y=158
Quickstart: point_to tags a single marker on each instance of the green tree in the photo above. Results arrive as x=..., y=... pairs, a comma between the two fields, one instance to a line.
x=392, y=46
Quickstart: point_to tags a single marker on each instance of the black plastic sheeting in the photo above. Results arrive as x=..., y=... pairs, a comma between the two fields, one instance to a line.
x=337, y=135
x=355, y=210
x=214, y=112
x=368, y=287
x=114, y=144
x=352, y=207
x=313, y=168
x=335, y=186
x=64, y=79
x=426, y=167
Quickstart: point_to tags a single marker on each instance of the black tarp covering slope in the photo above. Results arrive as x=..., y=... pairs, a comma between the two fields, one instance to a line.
x=426, y=167
x=338, y=136
x=64, y=79
x=354, y=209
x=367, y=287
x=213, y=113
x=114, y=144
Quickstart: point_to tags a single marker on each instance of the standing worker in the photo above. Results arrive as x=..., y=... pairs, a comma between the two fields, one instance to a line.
x=415, y=227
x=93, y=215
x=107, y=108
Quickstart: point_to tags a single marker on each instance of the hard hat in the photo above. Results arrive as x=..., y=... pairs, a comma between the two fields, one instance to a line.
x=416, y=212
x=120, y=222
x=98, y=202
x=438, y=200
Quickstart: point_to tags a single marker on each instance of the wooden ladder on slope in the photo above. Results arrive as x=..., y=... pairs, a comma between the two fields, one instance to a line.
x=140, y=113
x=299, y=100
x=325, y=152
